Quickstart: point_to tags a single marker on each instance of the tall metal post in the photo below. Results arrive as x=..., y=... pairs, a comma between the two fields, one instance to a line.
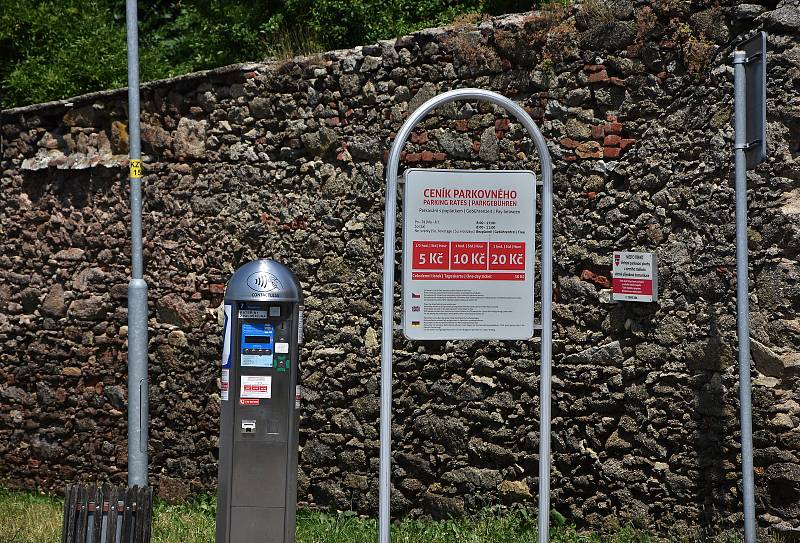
x=742, y=302
x=387, y=336
x=545, y=373
x=137, y=288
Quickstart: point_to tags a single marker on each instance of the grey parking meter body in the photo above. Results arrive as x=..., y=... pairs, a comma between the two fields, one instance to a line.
x=259, y=413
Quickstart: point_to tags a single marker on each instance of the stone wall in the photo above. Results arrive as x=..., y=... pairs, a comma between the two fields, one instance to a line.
x=285, y=160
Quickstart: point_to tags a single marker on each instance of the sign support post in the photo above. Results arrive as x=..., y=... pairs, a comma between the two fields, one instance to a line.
x=137, y=288
x=387, y=337
x=742, y=304
x=750, y=146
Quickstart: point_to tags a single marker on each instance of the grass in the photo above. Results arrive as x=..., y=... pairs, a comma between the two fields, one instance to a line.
x=29, y=518
x=32, y=518
x=290, y=43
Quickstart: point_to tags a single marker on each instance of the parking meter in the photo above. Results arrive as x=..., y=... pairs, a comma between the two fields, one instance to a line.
x=259, y=407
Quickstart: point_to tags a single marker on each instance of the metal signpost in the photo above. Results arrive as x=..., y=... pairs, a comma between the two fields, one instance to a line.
x=137, y=288
x=431, y=243
x=749, y=65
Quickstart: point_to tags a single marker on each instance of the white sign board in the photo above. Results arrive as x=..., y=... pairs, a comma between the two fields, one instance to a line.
x=634, y=277
x=468, y=254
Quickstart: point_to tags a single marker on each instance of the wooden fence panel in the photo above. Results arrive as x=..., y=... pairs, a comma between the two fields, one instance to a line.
x=91, y=512
x=70, y=502
x=82, y=512
x=130, y=496
x=97, y=520
x=111, y=532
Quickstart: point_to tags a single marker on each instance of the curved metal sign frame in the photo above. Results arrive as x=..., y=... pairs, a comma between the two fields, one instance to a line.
x=387, y=338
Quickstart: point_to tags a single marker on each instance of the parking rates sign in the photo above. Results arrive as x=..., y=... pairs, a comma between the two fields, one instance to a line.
x=468, y=254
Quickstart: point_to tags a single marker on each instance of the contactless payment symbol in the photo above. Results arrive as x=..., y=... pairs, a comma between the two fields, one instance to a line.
x=263, y=282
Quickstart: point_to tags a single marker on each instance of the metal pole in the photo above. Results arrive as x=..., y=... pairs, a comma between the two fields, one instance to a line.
x=742, y=308
x=387, y=336
x=545, y=372
x=137, y=288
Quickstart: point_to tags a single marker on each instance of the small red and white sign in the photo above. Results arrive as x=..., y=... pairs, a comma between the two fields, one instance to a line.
x=634, y=277
x=256, y=386
x=248, y=401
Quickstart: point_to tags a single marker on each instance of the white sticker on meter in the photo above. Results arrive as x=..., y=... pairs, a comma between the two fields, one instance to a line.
x=253, y=314
x=224, y=385
x=282, y=348
x=300, y=317
x=256, y=386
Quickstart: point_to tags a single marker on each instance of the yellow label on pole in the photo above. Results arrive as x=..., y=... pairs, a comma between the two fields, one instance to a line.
x=135, y=169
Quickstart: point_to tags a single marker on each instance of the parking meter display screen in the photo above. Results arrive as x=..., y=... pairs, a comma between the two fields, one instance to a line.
x=257, y=344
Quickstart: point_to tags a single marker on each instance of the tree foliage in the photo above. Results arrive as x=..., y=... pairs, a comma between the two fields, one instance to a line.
x=51, y=49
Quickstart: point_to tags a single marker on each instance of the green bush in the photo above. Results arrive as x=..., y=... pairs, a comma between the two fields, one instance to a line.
x=58, y=48
x=52, y=49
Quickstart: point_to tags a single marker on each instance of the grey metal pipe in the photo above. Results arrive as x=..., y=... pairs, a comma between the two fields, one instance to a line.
x=545, y=372
x=387, y=336
x=138, y=417
x=742, y=297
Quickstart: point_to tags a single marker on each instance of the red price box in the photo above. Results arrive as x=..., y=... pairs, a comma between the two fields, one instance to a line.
x=468, y=255
x=431, y=255
x=507, y=255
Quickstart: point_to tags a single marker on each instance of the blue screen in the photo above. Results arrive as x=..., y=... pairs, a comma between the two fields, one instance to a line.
x=257, y=347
